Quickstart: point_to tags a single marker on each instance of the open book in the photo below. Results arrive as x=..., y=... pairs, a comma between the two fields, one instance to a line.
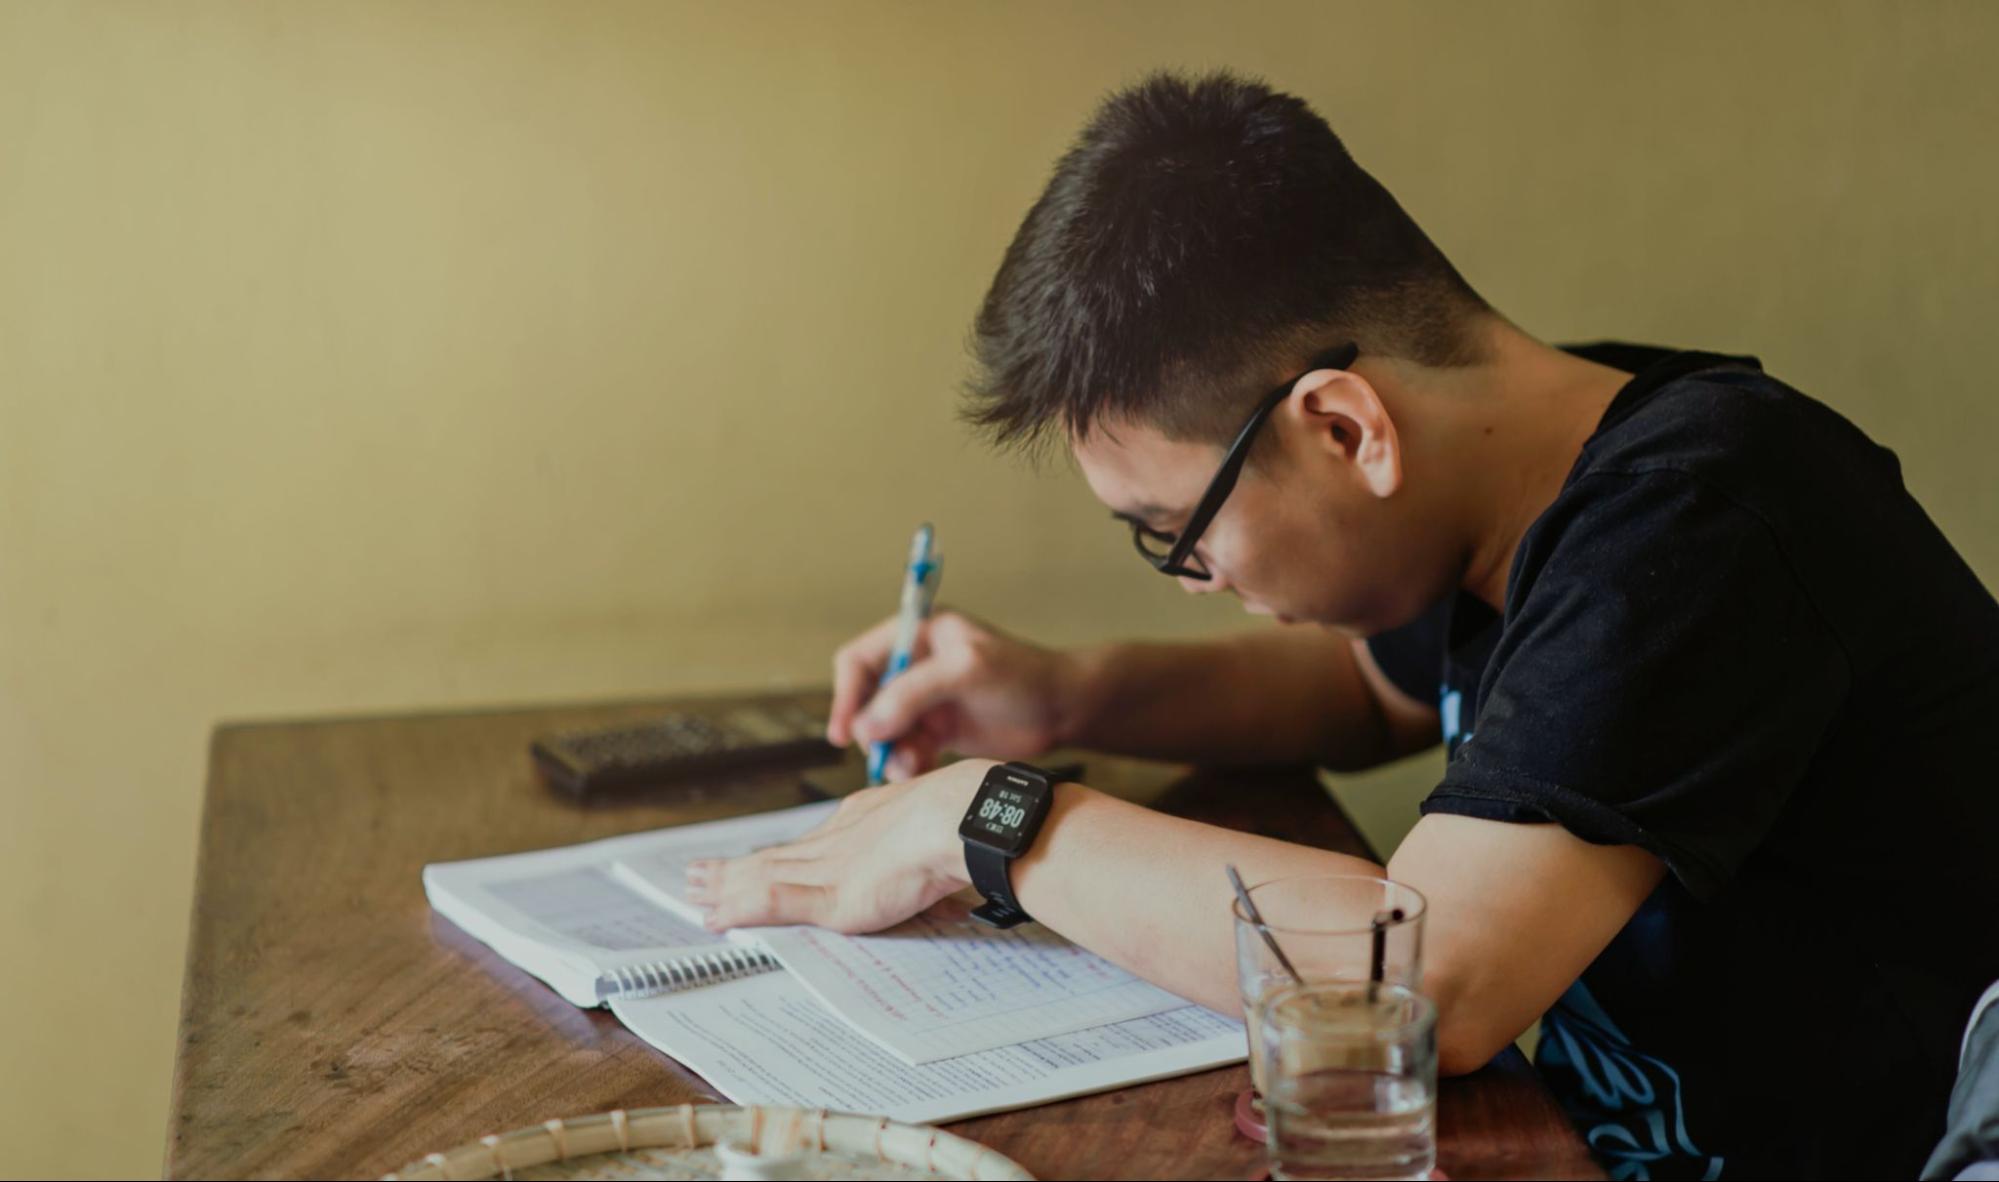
x=937, y=1018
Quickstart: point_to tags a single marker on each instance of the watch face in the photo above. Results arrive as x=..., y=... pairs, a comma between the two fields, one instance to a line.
x=1004, y=813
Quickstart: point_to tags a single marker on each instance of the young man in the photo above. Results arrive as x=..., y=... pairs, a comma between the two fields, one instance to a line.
x=1711, y=682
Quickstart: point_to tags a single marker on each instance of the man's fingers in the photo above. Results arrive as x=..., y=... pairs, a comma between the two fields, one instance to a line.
x=757, y=890
x=919, y=751
x=895, y=710
x=914, y=755
x=857, y=666
x=776, y=903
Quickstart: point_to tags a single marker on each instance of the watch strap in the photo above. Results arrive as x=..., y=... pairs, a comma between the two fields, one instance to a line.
x=989, y=873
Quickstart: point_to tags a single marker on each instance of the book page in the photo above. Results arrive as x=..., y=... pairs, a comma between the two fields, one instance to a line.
x=561, y=914
x=766, y=1040
x=589, y=906
x=943, y=984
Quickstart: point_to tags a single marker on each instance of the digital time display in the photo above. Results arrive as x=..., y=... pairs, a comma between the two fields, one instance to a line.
x=992, y=808
x=1002, y=811
x=1006, y=812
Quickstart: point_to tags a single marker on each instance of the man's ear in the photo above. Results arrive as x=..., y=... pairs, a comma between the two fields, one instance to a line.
x=1344, y=414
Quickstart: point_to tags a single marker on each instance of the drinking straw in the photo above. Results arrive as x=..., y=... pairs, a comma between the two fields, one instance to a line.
x=1256, y=917
x=1379, y=955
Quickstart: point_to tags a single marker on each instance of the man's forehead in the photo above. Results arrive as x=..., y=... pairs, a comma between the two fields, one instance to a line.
x=1136, y=469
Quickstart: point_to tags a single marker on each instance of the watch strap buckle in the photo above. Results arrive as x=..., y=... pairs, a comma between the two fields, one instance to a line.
x=995, y=914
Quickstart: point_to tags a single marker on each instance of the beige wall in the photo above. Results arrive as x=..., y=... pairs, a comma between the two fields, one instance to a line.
x=360, y=356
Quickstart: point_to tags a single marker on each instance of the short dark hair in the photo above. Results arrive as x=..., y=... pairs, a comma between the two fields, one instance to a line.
x=1201, y=233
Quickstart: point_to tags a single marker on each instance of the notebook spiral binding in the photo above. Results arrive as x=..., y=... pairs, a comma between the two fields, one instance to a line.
x=683, y=972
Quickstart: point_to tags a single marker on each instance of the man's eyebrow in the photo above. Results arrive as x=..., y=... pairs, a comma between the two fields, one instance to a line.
x=1141, y=513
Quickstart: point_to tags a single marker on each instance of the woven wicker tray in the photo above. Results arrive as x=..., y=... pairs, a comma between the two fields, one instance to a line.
x=681, y=1143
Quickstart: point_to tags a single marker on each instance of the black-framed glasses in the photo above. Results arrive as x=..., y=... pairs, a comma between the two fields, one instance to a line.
x=1174, y=555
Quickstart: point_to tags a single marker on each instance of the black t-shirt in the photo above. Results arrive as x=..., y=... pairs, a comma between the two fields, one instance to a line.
x=1735, y=640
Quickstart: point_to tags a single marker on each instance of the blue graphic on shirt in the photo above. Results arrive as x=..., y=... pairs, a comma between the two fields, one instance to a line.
x=1451, y=707
x=1627, y=1103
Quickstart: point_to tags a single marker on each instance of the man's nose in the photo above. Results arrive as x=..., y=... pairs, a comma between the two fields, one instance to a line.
x=1208, y=586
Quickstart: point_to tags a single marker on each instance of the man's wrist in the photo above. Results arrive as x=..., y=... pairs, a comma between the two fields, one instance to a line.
x=953, y=800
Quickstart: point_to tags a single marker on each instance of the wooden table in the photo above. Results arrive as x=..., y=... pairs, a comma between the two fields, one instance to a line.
x=331, y=1026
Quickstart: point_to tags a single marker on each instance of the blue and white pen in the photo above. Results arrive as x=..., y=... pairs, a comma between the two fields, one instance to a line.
x=919, y=588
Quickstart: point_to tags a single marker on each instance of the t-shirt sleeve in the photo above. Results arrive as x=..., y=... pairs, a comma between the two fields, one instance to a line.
x=1412, y=657
x=1663, y=679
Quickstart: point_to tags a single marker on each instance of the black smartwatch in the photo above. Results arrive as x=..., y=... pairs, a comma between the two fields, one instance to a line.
x=1006, y=813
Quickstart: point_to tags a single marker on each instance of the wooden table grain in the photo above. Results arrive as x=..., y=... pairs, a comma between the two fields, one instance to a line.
x=332, y=1026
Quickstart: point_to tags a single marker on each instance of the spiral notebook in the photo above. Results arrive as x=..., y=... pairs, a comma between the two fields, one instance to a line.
x=569, y=917
x=936, y=1018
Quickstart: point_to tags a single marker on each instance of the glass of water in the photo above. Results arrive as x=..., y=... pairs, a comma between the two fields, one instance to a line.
x=1350, y=1071
x=1325, y=925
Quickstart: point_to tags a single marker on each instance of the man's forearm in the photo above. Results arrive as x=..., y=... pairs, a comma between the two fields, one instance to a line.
x=1148, y=891
x=1288, y=694
x=1141, y=888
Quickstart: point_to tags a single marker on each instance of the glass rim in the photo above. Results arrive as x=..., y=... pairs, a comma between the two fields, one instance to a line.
x=1425, y=1011
x=1422, y=905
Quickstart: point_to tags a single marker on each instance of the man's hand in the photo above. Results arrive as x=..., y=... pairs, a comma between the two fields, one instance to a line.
x=969, y=688
x=888, y=853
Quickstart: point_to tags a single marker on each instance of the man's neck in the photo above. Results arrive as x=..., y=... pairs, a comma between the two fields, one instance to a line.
x=1520, y=421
